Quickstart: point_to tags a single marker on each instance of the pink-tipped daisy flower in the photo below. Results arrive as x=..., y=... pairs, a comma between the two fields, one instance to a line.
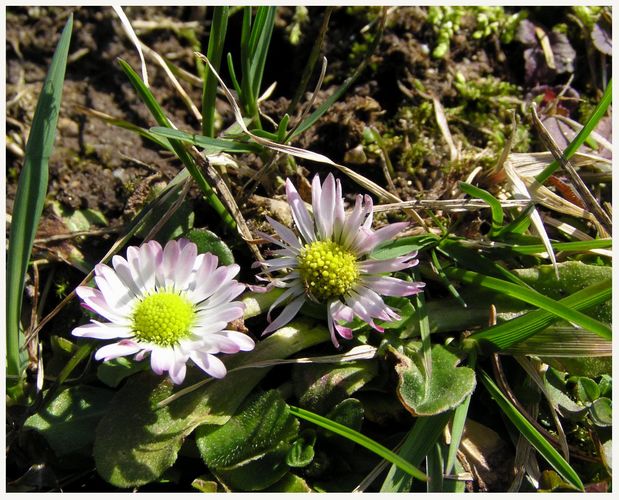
x=328, y=260
x=169, y=302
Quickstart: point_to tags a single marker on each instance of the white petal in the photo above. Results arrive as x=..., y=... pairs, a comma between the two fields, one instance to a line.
x=161, y=359
x=107, y=331
x=184, y=267
x=285, y=233
x=123, y=270
x=116, y=294
x=178, y=370
x=299, y=213
x=383, y=234
x=289, y=312
x=112, y=351
x=324, y=209
x=95, y=301
x=209, y=363
x=387, y=265
x=394, y=287
x=295, y=290
x=339, y=218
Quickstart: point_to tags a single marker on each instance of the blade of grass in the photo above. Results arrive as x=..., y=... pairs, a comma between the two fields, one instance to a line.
x=512, y=332
x=531, y=297
x=457, y=424
x=495, y=205
x=337, y=428
x=569, y=246
x=544, y=448
x=31, y=192
x=259, y=45
x=203, y=141
x=584, y=133
x=159, y=115
x=419, y=441
x=214, y=53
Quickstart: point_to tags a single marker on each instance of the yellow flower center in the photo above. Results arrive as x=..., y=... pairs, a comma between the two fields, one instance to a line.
x=327, y=269
x=163, y=318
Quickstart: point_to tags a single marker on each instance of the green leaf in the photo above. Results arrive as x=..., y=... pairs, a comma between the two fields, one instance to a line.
x=290, y=483
x=601, y=411
x=30, y=194
x=68, y=422
x=320, y=387
x=258, y=474
x=204, y=485
x=113, y=372
x=208, y=241
x=136, y=440
x=259, y=426
x=532, y=435
x=301, y=453
x=430, y=394
x=587, y=390
x=348, y=412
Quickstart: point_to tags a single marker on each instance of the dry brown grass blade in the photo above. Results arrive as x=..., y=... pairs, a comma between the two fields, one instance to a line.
x=590, y=202
x=126, y=24
x=443, y=126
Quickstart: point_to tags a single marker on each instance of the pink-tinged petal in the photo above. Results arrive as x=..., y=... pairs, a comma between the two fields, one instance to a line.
x=204, y=327
x=166, y=270
x=96, y=302
x=281, y=263
x=374, y=304
x=343, y=313
x=184, y=267
x=227, y=313
x=289, y=312
x=123, y=271
x=356, y=303
x=285, y=233
x=150, y=257
x=324, y=206
x=339, y=217
x=354, y=222
x=394, y=287
x=299, y=213
x=369, y=208
x=344, y=331
x=244, y=342
x=218, y=280
x=106, y=331
x=133, y=260
x=178, y=370
x=273, y=240
x=209, y=364
x=120, y=349
x=386, y=233
x=226, y=293
x=161, y=359
x=387, y=265
x=294, y=291
x=116, y=294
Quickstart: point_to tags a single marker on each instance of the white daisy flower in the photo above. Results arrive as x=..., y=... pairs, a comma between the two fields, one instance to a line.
x=171, y=303
x=327, y=261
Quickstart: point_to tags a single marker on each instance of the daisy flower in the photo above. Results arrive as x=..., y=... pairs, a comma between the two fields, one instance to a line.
x=328, y=262
x=168, y=302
